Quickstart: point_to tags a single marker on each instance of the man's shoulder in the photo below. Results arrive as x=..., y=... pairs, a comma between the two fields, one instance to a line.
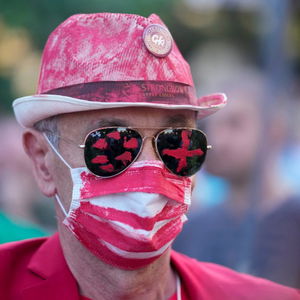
x=19, y=251
x=14, y=260
x=29, y=268
x=15, y=256
x=219, y=282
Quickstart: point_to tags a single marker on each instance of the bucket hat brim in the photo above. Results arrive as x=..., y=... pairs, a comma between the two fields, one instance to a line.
x=31, y=109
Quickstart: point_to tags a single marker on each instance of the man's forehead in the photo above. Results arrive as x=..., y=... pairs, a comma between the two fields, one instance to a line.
x=178, y=119
x=134, y=117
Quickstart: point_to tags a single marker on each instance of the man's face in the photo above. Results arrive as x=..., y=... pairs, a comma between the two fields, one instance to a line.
x=76, y=126
x=234, y=135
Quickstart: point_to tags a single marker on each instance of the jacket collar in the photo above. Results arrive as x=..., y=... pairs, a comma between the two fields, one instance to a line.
x=54, y=280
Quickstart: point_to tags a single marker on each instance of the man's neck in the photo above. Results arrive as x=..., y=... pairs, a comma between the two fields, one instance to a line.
x=97, y=280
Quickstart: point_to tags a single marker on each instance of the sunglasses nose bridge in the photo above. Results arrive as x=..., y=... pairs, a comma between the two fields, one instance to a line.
x=148, y=151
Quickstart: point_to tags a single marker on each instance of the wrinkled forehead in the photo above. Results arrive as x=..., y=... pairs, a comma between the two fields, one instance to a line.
x=133, y=117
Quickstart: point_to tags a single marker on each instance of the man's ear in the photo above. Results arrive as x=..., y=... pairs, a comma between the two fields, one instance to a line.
x=41, y=155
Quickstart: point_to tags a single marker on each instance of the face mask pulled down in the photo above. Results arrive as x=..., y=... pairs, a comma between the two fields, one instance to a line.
x=129, y=220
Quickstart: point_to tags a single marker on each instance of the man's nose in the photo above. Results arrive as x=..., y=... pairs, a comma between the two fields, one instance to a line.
x=148, y=150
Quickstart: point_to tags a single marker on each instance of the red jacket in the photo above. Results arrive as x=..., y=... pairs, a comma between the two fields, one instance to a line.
x=36, y=269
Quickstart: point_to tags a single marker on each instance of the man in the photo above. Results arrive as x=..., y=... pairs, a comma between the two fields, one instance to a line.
x=111, y=137
x=249, y=231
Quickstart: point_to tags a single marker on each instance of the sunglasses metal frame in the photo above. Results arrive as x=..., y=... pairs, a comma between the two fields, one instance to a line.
x=154, y=143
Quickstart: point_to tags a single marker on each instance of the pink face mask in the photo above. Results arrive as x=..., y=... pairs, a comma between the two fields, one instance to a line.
x=129, y=220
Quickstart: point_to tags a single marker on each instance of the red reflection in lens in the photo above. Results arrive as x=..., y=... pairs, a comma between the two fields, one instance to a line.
x=108, y=168
x=182, y=153
x=131, y=143
x=100, y=144
x=185, y=135
x=114, y=135
x=124, y=157
x=100, y=159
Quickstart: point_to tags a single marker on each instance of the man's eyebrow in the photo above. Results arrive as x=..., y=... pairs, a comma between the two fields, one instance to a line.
x=107, y=122
x=177, y=120
x=173, y=121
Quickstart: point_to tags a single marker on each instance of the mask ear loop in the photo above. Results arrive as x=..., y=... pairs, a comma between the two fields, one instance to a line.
x=56, y=152
x=64, y=161
x=60, y=204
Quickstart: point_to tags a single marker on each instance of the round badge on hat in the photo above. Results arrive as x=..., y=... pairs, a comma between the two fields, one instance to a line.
x=158, y=40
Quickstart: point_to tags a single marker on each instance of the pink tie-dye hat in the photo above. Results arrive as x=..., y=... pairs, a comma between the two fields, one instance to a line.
x=107, y=60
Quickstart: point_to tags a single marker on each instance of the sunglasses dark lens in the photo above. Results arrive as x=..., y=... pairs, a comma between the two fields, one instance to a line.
x=182, y=150
x=110, y=151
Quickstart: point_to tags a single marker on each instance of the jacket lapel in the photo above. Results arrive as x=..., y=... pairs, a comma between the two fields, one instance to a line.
x=53, y=277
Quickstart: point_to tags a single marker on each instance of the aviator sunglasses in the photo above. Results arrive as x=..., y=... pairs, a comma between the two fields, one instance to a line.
x=110, y=151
